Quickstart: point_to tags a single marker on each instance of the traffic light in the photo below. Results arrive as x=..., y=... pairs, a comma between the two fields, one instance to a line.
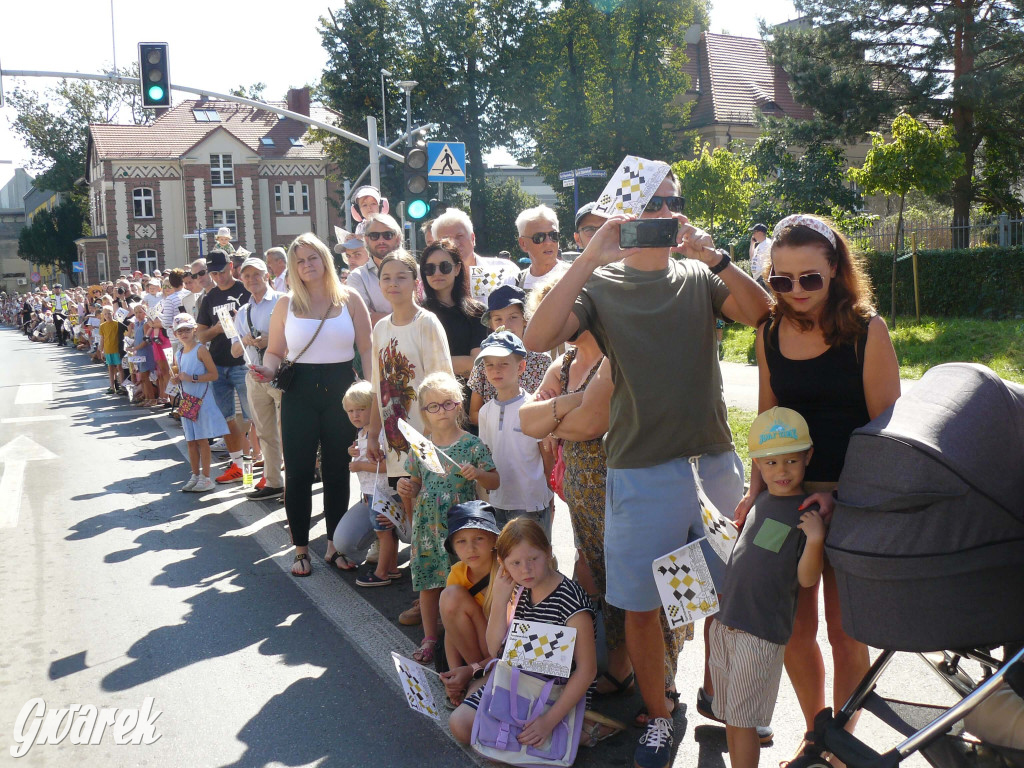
x=415, y=186
x=436, y=208
x=154, y=74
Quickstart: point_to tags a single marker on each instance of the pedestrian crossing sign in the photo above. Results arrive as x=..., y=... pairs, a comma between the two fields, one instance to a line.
x=446, y=161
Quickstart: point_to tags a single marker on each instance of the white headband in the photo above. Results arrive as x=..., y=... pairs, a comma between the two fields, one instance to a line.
x=803, y=220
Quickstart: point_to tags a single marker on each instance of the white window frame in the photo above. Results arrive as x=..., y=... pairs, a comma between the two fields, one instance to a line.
x=222, y=171
x=101, y=267
x=139, y=200
x=278, y=199
x=304, y=196
x=147, y=260
x=227, y=218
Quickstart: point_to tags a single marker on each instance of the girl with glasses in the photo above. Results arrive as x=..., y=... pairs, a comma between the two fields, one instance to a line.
x=440, y=400
x=825, y=353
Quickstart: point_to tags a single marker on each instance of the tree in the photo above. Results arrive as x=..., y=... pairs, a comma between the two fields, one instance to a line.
x=55, y=127
x=507, y=196
x=916, y=158
x=861, y=62
x=610, y=85
x=50, y=238
x=717, y=185
x=254, y=91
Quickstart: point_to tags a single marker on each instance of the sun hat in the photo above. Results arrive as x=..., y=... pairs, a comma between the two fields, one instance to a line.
x=502, y=344
x=778, y=431
x=471, y=514
x=224, y=232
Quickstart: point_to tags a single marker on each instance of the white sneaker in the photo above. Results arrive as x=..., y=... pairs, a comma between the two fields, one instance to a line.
x=204, y=484
x=219, y=446
x=190, y=484
x=374, y=554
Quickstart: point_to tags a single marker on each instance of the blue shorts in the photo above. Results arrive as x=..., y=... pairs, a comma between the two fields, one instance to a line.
x=652, y=511
x=230, y=379
x=114, y=359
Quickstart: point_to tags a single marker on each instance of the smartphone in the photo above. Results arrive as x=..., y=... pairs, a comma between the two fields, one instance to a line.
x=648, y=233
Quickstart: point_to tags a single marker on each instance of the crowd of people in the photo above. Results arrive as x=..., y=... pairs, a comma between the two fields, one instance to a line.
x=596, y=380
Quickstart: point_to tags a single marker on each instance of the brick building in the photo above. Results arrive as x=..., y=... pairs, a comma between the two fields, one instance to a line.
x=203, y=164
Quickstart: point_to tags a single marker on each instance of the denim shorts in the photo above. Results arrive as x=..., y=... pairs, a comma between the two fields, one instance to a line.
x=651, y=511
x=230, y=379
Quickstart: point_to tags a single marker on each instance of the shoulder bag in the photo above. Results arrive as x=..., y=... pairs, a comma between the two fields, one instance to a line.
x=286, y=371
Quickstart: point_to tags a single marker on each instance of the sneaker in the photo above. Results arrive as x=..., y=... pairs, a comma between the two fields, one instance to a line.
x=190, y=484
x=232, y=475
x=266, y=492
x=655, y=747
x=261, y=484
x=371, y=579
x=374, y=554
x=764, y=733
x=110, y=391
x=411, y=616
x=219, y=446
x=204, y=484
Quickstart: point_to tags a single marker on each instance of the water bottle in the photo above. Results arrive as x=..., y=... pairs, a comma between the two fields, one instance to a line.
x=247, y=472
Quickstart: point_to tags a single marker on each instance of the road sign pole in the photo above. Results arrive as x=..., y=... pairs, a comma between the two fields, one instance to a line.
x=575, y=195
x=371, y=137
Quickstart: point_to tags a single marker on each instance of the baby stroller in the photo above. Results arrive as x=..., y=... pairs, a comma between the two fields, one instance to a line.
x=927, y=541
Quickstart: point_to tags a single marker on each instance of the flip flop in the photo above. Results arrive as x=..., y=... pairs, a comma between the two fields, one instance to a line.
x=347, y=565
x=598, y=727
x=308, y=566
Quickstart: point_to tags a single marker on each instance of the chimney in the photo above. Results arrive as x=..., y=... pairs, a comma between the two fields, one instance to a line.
x=298, y=100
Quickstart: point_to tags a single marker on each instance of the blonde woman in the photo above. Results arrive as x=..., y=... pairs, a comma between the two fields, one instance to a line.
x=318, y=326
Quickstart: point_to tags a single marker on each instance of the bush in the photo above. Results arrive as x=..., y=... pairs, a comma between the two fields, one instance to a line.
x=976, y=282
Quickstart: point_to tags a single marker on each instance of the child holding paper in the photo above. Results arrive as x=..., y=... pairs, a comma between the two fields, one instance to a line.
x=469, y=462
x=780, y=549
x=142, y=348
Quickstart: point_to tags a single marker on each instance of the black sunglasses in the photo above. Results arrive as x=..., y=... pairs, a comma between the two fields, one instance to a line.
x=375, y=236
x=812, y=281
x=540, y=237
x=674, y=202
x=197, y=275
x=445, y=268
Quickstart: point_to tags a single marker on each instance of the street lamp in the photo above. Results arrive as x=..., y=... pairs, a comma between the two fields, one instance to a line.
x=407, y=86
x=383, y=105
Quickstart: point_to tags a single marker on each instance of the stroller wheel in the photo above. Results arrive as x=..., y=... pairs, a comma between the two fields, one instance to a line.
x=805, y=761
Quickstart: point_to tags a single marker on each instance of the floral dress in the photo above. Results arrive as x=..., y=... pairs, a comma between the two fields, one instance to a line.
x=428, y=559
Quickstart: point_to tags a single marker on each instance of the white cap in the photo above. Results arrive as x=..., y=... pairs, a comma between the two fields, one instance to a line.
x=254, y=261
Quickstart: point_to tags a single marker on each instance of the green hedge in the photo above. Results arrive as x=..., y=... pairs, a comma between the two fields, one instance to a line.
x=975, y=282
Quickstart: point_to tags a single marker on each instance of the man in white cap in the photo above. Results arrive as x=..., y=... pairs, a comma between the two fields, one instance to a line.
x=253, y=323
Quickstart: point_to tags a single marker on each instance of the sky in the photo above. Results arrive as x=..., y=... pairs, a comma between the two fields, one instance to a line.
x=215, y=44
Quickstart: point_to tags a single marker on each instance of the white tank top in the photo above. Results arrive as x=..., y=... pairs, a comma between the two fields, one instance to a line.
x=334, y=344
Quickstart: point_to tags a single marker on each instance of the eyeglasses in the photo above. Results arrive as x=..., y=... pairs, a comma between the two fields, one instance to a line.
x=375, y=236
x=445, y=267
x=197, y=275
x=674, y=203
x=812, y=281
x=540, y=237
x=448, y=405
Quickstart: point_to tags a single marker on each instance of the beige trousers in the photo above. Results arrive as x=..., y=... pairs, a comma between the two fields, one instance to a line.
x=265, y=409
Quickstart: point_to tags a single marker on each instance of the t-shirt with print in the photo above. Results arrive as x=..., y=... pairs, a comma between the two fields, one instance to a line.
x=761, y=584
x=537, y=364
x=403, y=356
x=657, y=329
x=233, y=298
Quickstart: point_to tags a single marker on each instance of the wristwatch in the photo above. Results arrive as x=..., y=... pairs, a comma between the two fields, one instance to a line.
x=195, y=378
x=478, y=670
x=722, y=264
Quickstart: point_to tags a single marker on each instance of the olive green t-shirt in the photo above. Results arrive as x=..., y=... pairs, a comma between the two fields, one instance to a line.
x=658, y=331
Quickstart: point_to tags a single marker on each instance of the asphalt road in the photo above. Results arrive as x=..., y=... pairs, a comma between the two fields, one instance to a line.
x=117, y=588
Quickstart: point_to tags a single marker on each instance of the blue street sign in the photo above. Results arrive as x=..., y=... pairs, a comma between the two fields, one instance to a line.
x=582, y=171
x=446, y=161
x=565, y=175
x=78, y=266
x=591, y=174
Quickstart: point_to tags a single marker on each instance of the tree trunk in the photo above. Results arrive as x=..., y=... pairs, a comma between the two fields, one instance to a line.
x=475, y=159
x=896, y=248
x=962, y=119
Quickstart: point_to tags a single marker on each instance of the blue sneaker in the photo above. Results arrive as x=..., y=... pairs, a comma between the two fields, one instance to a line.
x=655, y=747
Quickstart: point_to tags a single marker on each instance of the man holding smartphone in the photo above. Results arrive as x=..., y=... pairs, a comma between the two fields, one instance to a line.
x=654, y=317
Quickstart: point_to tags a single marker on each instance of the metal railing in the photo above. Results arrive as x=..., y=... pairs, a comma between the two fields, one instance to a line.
x=1001, y=231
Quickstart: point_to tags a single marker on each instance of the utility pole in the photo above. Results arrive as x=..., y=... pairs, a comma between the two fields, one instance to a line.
x=407, y=86
x=371, y=138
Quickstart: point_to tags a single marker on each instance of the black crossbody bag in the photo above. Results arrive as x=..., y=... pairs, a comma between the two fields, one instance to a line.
x=286, y=371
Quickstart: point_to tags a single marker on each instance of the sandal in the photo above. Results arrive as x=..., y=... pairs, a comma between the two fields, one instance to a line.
x=299, y=558
x=643, y=717
x=345, y=565
x=425, y=653
x=395, y=575
x=619, y=687
x=598, y=727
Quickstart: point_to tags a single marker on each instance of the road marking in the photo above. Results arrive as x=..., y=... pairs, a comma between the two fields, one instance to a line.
x=31, y=419
x=15, y=457
x=34, y=393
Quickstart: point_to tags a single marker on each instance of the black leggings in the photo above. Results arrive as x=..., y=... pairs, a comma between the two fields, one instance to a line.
x=311, y=415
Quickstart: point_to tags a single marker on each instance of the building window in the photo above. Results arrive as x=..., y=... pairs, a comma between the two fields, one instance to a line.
x=222, y=172
x=304, y=194
x=226, y=219
x=267, y=141
x=277, y=198
x=206, y=115
x=142, y=200
x=291, y=198
x=101, y=267
x=146, y=260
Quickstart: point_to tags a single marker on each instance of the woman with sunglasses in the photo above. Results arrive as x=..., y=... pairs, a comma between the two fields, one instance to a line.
x=825, y=353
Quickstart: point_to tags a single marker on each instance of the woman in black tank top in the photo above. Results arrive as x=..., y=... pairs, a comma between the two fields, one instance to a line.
x=826, y=354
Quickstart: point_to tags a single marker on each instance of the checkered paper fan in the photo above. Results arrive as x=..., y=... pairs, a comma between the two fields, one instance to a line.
x=422, y=447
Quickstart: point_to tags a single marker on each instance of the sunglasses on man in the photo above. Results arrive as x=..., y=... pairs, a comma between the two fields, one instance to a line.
x=675, y=203
x=445, y=268
x=812, y=281
x=540, y=237
x=375, y=236
x=197, y=275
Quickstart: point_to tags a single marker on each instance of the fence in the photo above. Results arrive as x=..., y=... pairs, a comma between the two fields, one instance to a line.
x=1001, y=231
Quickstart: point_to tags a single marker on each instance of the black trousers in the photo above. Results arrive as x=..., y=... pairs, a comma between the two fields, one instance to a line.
x=312, y=415
x=58, y=324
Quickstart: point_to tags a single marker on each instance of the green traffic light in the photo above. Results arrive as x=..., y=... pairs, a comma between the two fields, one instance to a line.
x=156, y=93
x=417, y=210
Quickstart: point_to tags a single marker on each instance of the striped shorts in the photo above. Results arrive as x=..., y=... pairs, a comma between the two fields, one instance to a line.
x=745, y=674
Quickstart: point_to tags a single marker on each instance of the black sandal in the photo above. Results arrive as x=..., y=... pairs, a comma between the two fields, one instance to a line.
x=346, y=564
x=619, y=687
x=309, y=565
x=642, y=716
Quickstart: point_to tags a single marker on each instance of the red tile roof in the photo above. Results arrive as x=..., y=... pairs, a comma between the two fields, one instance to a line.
x=177, y=131
x=737, y=81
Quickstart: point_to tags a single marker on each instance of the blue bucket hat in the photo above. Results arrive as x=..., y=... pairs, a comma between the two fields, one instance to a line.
x=472, y=514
